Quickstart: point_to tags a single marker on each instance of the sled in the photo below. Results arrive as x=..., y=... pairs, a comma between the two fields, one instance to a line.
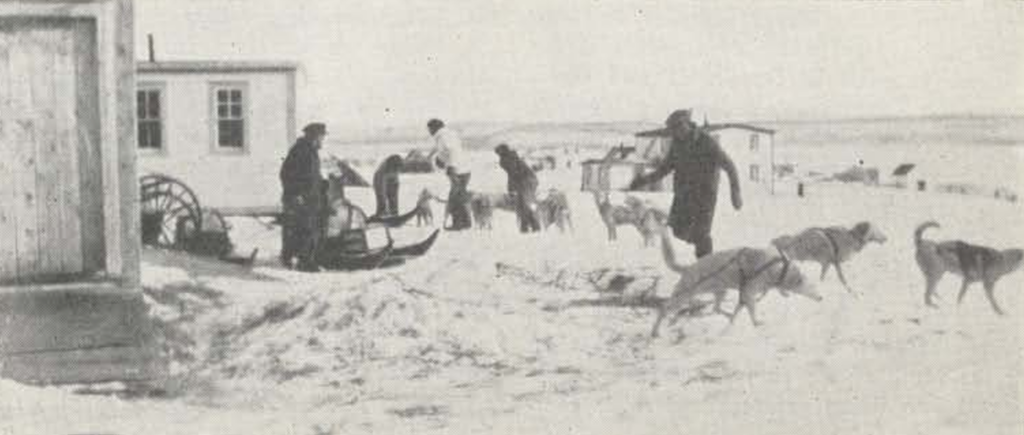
x=394, y=221
x=417, y=249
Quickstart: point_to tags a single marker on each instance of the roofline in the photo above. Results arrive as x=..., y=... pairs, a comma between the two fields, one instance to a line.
x=215, y=66
x=741, y=126
x=662, y=132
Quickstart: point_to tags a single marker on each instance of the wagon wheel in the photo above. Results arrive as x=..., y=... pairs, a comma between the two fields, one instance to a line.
x=170, y=211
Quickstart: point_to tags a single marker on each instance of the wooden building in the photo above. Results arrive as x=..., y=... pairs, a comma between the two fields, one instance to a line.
x=221, y=127
x=71, y=308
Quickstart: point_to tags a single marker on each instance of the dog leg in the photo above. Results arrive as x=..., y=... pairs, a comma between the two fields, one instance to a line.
x=963, y=291
x=671, y=308
x=990, y=288
x=719, y=297
x=824, y=270
x=657, y=322
x=931, y=282
x=842, y=279
x=749, y=300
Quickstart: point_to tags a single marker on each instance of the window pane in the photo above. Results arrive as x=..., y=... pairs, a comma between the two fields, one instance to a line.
x=154, y=105
x=140, y=104
x=150, y=135
x=236, y=96
x=143, y=137
x=236, y=111
x=222, y=111
x=222, y=96
x=156, y=139
x=230, y=133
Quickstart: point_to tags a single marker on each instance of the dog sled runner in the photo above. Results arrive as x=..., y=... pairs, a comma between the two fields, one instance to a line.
x=354, y=242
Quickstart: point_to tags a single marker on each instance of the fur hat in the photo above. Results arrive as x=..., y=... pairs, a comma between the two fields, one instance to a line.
x=681, y=115
x=315, y=128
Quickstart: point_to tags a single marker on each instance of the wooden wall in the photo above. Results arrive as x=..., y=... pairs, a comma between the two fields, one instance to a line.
x=50, y=204
x=71, y=309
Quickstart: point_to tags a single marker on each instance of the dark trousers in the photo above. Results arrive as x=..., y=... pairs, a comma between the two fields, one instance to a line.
x=702, y=243
x=300, y=231
x=524, y=210
x=387, y=199
x=458, y=202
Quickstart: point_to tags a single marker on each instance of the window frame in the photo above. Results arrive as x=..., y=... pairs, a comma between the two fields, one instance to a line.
x=214, y=118
x=161, y=89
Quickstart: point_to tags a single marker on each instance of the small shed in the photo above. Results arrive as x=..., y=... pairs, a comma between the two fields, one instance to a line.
x=71, y=306
x=221, y=127
x=901, y=175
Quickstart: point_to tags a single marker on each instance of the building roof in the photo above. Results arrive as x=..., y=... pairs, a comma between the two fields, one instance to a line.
x=903, y=169
x=662, y=132
x=215, y=66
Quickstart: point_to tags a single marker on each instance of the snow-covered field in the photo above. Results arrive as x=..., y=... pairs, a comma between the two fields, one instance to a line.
x=497, y=332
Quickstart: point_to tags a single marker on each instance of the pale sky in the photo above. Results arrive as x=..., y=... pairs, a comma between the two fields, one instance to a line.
x=379, y=63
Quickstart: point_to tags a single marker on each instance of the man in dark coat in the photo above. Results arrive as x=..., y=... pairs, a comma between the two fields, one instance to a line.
x=522, y=185
x=695, y=158
x=303, y=199
x=385, y=185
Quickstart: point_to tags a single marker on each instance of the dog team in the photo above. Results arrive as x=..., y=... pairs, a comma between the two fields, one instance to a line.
x=754, y=271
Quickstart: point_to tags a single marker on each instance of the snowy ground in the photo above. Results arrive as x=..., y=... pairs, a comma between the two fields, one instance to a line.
x=494, y=332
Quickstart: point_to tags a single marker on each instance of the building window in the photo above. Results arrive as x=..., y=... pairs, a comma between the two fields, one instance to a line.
x=754, y=139
x=229, y=129
x=755, y=173
x=149, y=111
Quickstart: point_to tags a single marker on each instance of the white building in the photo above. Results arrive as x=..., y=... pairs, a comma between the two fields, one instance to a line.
x=222, y=128
x=752, y=149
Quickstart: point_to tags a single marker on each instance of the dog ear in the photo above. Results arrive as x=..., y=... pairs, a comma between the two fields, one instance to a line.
x=861, y=229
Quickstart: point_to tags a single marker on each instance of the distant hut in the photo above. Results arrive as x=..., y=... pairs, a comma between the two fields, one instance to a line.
x=71, y=306
x=901, y=175
x=221, y=127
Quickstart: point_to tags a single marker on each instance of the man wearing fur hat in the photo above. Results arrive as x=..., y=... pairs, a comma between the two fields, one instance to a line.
x=303, y=199
x=695, y=158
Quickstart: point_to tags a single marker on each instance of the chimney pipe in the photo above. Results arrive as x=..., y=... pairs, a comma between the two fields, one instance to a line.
x=152, y=53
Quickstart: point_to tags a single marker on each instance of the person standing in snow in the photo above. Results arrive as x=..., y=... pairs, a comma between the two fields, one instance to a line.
x=696, y=159
x=447, y=155
x=385, y=185
x=522, y=185
x=303, y=199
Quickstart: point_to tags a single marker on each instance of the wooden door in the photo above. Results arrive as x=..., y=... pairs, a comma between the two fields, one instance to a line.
x=51, y=203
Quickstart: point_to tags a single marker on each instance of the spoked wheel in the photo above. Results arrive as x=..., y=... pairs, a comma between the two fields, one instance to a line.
x=170, y=211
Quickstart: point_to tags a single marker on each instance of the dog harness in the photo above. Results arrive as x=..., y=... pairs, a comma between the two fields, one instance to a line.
x=744, y=278
x=831, y=242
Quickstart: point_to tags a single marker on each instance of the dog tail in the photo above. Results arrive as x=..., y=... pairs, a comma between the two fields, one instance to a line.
x=668, y=253
x=919, y=232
